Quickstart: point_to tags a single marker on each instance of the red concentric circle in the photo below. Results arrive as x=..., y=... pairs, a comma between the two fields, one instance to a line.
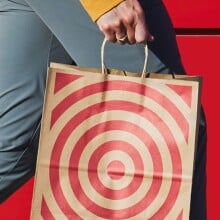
x=79, y=192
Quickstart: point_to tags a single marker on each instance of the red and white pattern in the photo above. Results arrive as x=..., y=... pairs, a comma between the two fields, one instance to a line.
x=118, y=149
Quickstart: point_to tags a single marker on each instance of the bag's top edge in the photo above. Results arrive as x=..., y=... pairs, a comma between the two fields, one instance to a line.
x=69, y=67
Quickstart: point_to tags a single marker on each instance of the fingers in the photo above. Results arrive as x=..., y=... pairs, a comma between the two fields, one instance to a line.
x=121, y=33
x=126, y=16
x=114, y=26
x=125, y=24
x=105, y=24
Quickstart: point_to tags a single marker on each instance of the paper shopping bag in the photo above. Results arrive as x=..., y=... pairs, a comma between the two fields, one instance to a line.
x=116, y=145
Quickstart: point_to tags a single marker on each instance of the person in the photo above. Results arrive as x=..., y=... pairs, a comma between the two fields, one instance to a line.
x=34, y=33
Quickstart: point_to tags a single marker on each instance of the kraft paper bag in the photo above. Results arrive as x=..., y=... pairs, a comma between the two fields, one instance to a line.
x=116, y=145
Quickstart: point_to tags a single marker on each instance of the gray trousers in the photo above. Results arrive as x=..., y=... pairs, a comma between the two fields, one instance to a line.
x=33, y=33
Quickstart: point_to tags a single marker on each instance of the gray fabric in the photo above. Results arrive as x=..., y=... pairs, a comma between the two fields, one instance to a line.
x=27, y=45
x=82, y=38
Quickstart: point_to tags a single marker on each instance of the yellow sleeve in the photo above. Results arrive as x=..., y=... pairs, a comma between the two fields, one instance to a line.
x=96, y=8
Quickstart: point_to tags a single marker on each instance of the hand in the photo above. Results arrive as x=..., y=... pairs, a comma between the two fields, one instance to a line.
x=126, y=19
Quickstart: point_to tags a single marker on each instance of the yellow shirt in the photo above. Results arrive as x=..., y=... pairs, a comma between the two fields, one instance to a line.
x=96, y=8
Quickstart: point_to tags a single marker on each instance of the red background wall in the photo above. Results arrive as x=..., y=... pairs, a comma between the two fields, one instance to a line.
x=194, y=13
x=200, y=56
x=197, y=24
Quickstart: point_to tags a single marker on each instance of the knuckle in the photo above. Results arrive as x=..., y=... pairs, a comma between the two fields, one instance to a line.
x=140, y=13
x=128, y=19
x=132, y=41
x=111, y=38
x=141, y=40
x=117, y=24
x=105, y=27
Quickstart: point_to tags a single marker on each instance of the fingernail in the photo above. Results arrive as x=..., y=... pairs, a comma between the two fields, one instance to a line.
x=151, y=38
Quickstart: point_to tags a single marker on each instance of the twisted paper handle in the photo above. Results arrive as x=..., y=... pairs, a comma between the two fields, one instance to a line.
x=144, y=72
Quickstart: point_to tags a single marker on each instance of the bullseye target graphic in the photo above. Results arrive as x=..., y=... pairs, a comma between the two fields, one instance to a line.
x=120, y=148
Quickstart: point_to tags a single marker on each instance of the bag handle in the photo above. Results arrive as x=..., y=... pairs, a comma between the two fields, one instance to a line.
x=104, y=70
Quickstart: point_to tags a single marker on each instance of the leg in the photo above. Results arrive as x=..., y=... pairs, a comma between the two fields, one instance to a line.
x=25, y=44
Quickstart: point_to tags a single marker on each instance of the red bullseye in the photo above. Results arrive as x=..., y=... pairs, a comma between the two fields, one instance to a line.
x=108, y=147
x=116, y=170
x=143, y=135
x=140, y=133
x=147, y=198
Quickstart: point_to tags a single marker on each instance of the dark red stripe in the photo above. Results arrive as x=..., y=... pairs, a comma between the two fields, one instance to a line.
x=157, y=168
x=124, y=106
x=45, y=211
x=122, y=86
x=105, y=148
